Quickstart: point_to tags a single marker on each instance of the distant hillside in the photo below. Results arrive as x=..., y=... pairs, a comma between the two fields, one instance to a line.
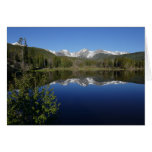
x=20, y=57
x=102, y=56
x=133, y=56
x=32, y=50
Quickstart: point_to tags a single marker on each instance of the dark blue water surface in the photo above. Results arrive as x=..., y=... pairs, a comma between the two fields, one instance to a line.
x=112, y=104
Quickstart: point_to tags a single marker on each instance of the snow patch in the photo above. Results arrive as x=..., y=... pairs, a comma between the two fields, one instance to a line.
x=86, y=53
x=16, y=43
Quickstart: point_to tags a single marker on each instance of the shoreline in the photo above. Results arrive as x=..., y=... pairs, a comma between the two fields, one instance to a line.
x=85, y=69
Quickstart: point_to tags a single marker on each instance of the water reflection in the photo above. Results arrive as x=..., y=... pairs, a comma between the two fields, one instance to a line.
x=85, y=78
x=85, y=82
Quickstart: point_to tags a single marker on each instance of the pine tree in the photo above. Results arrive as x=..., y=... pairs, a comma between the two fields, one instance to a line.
x=20, y=41
x=25, y=42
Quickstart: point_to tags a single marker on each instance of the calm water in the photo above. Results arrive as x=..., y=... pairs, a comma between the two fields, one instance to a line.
x=97, y=98
x=102, y=99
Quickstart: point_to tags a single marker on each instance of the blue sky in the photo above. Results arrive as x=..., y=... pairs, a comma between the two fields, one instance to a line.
x=131, y=39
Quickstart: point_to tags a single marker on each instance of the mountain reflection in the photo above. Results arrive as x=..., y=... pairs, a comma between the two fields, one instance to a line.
x=86, y=81
x=85, y=78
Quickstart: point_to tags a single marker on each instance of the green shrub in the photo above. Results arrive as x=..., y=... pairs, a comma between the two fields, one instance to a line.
x=29, y=104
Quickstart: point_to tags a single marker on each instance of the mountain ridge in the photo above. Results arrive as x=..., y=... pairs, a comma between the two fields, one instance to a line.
x=83, y=53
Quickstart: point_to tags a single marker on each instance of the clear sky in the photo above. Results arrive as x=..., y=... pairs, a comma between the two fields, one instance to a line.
x=130, y=39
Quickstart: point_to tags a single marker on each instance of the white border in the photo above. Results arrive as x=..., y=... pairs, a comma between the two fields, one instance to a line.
x=74, y=13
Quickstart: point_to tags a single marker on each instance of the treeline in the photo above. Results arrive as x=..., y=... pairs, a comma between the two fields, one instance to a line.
x=118, y=62
x=28, y=58
x=121, y=62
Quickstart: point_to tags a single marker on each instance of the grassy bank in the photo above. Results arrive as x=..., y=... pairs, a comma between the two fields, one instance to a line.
x=84, y=69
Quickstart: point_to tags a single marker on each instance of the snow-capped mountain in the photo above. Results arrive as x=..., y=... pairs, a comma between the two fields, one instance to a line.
x=86, y=81
x=16, y=43
x=85, y=53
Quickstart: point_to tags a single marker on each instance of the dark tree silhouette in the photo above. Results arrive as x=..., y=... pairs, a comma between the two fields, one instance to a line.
x=20, y=41
x=25, y=42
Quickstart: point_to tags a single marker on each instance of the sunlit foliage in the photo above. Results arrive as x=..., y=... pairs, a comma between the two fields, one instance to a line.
x=29, y=104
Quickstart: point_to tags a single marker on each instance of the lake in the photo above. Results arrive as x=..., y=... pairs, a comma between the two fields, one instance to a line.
x=97, y=97
x=100, y=98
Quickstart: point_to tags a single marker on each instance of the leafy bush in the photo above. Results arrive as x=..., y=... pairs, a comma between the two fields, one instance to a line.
x=30, y=104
